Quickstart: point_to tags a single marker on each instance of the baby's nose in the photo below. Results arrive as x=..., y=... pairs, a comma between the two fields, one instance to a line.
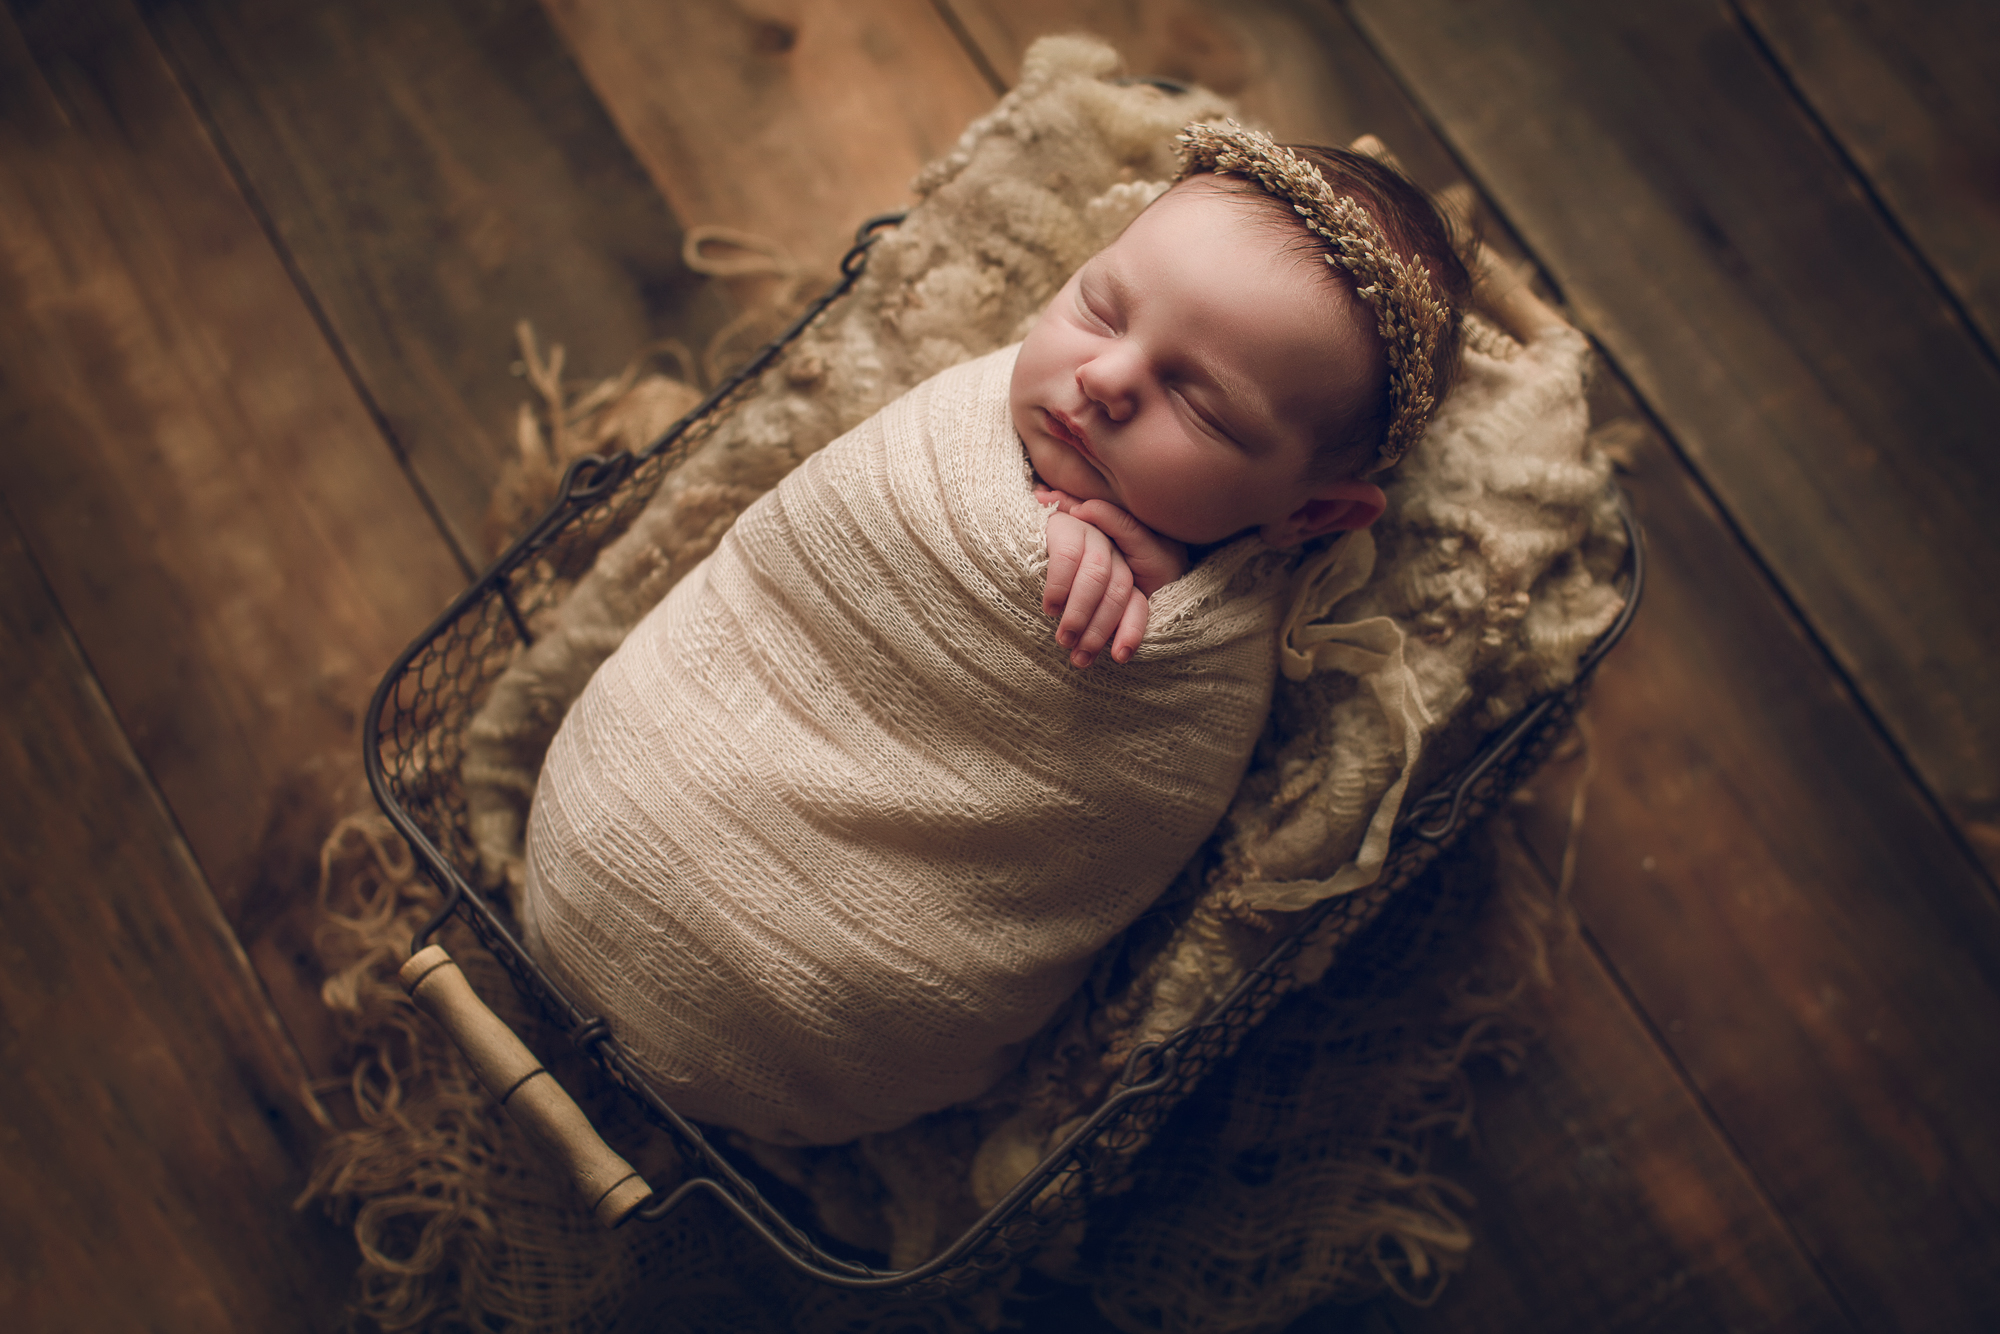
x=1107, y=382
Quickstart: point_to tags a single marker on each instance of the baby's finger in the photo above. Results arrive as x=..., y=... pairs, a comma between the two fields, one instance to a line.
x=1105, y=620
x=1131, y=627
x=1066, y=539
x=1094, y=574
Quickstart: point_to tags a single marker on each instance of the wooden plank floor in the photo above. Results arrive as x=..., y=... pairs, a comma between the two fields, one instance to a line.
x=260, y=266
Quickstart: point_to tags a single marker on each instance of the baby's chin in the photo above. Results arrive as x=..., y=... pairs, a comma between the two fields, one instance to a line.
x=1051, y=468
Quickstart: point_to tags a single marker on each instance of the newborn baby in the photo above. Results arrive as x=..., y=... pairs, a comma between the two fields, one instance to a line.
x=842, y=823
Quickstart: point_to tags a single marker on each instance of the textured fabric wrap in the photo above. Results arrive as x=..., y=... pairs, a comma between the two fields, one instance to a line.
x=837, y=826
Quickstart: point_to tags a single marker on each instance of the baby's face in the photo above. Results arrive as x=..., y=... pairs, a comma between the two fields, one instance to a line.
x=1187, y=372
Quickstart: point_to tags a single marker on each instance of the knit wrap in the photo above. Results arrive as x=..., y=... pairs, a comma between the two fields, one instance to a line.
x=838, y=827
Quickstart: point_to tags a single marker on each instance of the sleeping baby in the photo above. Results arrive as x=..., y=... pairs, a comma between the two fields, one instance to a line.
x=844, y=820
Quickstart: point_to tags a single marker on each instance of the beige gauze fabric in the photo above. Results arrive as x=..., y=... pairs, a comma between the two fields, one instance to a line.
x=838, y=827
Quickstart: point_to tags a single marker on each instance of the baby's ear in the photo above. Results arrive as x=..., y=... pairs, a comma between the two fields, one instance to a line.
x=1333, y=507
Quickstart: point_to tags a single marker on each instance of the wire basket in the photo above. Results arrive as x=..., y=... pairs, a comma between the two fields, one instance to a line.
x=413, y=746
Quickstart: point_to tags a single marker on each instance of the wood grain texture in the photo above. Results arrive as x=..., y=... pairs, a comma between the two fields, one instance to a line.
x=153, y=1125
x=1808, y=940
x=437, y=173
x=232, y=540
x=1295, y=68
x=1606, y=1198
x=1912, y=93
x=793, y=119
x=1707, y=235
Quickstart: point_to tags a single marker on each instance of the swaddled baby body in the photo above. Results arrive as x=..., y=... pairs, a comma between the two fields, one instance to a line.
x=842, y=822
x=838, y=823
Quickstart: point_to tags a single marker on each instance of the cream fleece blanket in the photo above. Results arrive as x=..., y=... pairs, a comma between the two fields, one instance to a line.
x=838, y=828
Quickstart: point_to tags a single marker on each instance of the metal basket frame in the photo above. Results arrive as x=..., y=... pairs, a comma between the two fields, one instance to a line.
x=412, y=752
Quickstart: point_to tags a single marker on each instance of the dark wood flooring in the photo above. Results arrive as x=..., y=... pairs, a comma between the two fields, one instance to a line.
x=260, y=268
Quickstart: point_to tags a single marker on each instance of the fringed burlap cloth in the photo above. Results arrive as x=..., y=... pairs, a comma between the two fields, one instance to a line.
x=1496, y=565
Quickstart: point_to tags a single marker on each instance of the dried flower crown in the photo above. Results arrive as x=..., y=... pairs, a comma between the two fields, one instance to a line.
x=1408, y=314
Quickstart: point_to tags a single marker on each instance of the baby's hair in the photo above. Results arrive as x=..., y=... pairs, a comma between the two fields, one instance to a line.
x=1411, y=227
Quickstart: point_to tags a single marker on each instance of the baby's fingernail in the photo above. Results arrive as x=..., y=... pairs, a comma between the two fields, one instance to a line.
x=1080, y=659
x=1067, y=638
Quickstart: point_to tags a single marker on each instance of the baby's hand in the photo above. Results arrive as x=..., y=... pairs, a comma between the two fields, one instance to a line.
x=1104, y=565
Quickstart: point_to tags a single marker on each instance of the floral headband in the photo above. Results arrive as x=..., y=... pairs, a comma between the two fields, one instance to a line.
x=1408, y=314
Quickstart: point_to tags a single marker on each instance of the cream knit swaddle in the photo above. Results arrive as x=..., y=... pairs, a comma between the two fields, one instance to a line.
x=837, y=825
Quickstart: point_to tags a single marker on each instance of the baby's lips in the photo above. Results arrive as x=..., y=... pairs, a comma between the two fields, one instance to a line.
x=1064, y=428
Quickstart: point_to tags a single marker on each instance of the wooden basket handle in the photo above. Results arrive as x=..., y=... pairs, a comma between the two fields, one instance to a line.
x=518, y=1082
